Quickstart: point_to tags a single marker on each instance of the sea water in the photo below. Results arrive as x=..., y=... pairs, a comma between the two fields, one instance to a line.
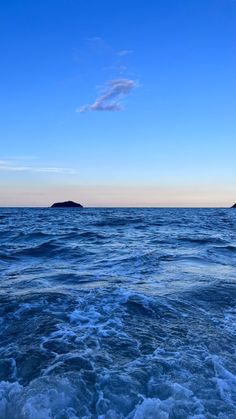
x=117, y=313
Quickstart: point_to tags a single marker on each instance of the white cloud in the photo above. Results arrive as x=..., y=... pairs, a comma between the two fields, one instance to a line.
x=113, y=93
x=9, y=166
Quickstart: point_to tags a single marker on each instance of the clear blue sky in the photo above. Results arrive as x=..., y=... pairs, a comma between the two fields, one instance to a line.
x=118, y=102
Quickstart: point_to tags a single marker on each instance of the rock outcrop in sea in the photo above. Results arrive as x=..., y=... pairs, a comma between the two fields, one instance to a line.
x=234, y=206
x=66, y=204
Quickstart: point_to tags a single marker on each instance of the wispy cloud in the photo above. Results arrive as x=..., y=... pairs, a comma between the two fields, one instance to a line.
x=62, y=170
x=99, y=46
x=124, y=52
x=112, y=95
x=9, y=166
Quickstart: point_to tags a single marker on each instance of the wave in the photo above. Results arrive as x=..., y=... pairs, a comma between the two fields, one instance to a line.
x=113, y=313
x=202, y=240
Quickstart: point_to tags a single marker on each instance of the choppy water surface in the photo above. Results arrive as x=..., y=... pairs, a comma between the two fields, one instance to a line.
x=117, y=313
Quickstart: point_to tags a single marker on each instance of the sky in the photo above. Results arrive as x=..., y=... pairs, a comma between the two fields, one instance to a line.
x=118, y=102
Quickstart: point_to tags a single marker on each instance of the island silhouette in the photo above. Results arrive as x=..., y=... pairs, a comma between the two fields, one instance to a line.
x=66, y=204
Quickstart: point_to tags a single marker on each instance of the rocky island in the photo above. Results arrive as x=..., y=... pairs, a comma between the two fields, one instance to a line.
x=234, y=206
x=66, y=204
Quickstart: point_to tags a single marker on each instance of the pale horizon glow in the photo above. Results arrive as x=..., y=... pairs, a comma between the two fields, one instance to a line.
x=121, y=196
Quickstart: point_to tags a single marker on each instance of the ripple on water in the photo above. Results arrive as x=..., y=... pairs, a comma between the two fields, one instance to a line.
x=114, y=313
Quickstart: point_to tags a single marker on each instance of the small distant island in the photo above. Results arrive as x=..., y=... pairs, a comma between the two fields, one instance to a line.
x=66, y=204
x=234, y=206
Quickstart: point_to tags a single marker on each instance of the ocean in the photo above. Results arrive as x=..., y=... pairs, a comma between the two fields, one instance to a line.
x=117, y=313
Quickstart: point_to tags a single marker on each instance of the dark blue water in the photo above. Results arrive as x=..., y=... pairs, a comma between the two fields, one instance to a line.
x=117, y=313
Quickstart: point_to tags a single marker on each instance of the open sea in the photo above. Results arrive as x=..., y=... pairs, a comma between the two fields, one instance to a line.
x=117, y=313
